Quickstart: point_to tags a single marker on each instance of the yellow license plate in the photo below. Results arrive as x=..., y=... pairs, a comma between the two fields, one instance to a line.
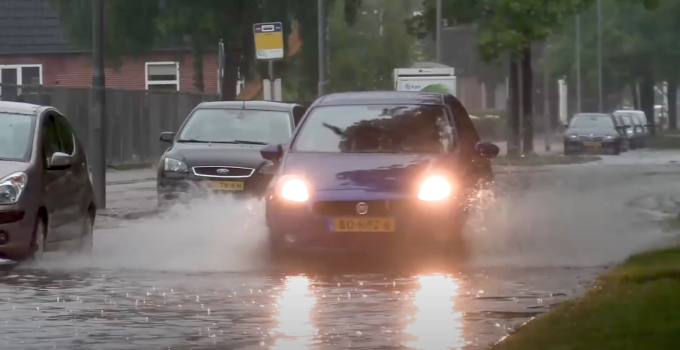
x=363, y=225
x=592, y=143
x=226, y=185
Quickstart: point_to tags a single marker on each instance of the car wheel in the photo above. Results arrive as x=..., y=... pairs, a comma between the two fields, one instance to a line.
x=87, y=237
x=38, y=241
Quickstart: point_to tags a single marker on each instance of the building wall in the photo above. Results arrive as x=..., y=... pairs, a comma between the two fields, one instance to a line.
x=75, y=70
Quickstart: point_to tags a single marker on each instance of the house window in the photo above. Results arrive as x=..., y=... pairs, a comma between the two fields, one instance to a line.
x=162, y=76
x=18, y=74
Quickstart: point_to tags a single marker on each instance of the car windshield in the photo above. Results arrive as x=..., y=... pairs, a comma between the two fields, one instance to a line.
x=237, y=126
x=15, y=136
x=592, y=121
x=376, y=129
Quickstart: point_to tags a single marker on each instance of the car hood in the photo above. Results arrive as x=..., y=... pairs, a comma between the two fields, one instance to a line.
x=216, y=154
x=8, y=167
x=594, y=131
x=397, y=173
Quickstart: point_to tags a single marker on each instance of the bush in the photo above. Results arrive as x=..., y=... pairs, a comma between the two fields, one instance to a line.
x=491, y=129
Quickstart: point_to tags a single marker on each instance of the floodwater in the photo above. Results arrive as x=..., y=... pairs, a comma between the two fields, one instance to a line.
x=197, y=278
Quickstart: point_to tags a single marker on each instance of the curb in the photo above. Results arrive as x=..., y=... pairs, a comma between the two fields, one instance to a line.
x=129, y=182
x=133, y=215
x=131, y=166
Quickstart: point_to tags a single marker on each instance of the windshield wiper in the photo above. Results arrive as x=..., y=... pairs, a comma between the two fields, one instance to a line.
x=228, y=142
x=193, y=141
x=249, y=142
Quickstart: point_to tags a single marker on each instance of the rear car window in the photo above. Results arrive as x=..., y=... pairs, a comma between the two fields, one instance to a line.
x=16, y=136
x=376, y=129
x=226, y=125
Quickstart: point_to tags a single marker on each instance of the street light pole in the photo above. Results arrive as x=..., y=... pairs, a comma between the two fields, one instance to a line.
x=546, y=100
x=439, y=31
x=321, y=16
x=599, y=56
x=578, y=63
x=98, y=135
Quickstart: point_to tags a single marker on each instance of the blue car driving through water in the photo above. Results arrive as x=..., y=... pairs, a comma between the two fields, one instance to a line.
x=376, y=171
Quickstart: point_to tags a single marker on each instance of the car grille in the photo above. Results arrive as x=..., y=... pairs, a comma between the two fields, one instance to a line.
x=349, y=208
x=216, y=171
x=591, y=138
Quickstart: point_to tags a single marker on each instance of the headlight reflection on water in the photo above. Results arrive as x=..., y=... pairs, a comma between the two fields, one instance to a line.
x=295, y=304
x=437, y=325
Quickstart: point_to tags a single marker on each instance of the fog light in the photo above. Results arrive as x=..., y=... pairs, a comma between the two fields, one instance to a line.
x=290, y=239
x=4, y=238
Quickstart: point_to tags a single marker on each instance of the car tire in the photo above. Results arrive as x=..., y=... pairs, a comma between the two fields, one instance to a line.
x=39, y=238
x=617, y=149
x=87, y=235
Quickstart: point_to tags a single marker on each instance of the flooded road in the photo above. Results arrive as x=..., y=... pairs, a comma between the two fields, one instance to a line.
x=197, y=278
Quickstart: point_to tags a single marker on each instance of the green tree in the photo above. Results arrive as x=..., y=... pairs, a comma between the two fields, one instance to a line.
x=364, y=55
x=638, y=47
x=305, y=70
x=130, y=28
x=506, y=28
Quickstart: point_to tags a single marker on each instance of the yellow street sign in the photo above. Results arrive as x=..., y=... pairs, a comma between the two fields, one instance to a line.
x=268, y=40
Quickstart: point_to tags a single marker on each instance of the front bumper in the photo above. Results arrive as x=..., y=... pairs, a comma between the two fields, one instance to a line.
x=183, y=187
x=310, y=226
x=595, y=146
x=16, y=231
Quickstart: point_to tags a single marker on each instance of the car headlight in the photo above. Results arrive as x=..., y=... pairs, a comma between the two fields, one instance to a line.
x=294, y=190
x=573, y=137
x=11, y=187
x=175, y=165
x=434, y=189
x=609, y=137
x=630, y=131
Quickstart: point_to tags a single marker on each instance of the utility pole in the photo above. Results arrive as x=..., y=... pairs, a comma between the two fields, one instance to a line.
x=322, y=47
x=98, y=135
x=439, y=31
x=546, y=100
x=599, y=57
x=578, y=63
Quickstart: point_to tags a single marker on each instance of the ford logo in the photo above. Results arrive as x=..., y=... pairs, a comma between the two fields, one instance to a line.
x=223, y=171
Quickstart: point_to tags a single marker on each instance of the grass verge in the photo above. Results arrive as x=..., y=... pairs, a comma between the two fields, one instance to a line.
x=633, y=306
x=537, y=160
x=666, y=140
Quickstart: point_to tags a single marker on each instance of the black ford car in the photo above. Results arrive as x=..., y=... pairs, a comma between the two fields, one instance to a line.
x=596, y=132
x=217, y=149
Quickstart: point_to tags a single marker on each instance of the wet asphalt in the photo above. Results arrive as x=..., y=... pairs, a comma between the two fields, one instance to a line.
x=196, y=278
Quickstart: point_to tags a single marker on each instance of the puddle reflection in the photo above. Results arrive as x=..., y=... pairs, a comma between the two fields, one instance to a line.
x=294, y=307
x=437, y=325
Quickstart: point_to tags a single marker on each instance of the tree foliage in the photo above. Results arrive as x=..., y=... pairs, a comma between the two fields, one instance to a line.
x=364, y=56
x=135, y=27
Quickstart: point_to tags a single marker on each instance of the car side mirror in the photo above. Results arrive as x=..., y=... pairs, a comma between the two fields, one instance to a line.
x=60, y=160
x=487, y=149
x=273, y=152
x=566, y=125
x=168, y=137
